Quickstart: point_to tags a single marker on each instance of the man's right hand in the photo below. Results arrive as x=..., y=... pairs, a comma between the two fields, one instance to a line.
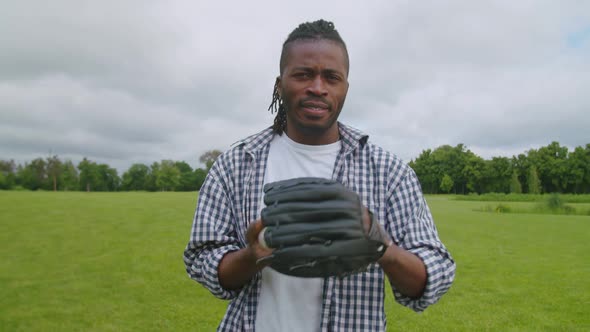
x=257, y=251
x=237, y=268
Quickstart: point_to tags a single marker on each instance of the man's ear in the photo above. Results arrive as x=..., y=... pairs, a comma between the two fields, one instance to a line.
x=278, y=85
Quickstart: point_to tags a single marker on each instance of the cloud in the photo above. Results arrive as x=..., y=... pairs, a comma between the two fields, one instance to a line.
x=141, y=81
x=475, y=73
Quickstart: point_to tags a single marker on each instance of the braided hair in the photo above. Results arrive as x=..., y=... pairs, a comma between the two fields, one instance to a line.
x=316, y=30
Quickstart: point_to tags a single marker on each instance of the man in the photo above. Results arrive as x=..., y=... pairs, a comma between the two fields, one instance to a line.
x=307, y=140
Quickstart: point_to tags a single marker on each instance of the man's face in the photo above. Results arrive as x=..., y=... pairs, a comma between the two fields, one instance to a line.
x=313, y=86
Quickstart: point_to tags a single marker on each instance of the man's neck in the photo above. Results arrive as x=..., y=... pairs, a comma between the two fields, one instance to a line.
x=314, y=136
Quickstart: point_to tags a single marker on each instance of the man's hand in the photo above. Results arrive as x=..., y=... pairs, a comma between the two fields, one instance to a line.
x=237, y=268
x=256, y=251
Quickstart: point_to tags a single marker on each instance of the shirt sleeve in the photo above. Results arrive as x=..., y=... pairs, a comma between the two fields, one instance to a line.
x=212, y=236
x=413, y=229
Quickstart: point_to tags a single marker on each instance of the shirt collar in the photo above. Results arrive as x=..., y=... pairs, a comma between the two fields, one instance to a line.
x=351, y=138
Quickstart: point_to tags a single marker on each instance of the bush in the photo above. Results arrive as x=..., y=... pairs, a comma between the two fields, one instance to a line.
x=569, y=209
x=553, y=205
x=554, y=202
x=501, y=197
x=501, y=208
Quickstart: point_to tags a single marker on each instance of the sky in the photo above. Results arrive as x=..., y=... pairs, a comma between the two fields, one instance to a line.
x=123, y=82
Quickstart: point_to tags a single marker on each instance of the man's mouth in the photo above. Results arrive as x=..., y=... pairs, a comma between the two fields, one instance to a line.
x=316, y=108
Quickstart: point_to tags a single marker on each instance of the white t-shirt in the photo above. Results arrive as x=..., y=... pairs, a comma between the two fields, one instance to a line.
x=289, y=303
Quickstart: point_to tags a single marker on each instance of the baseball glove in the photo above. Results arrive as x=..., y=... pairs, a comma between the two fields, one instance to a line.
x=316, y=227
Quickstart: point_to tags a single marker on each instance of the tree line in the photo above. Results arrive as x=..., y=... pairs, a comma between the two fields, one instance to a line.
x=549, y=169
x=52, y=173
x=446, y=169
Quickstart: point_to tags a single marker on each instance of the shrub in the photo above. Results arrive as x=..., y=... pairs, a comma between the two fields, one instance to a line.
x=554, y=202
x=501, y=208
x=501, y=197
x=567, y=209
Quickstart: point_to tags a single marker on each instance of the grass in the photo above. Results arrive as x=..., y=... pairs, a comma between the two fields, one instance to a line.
x=112, y=262
x=578, y=209
x=501, y=197
x=552, y=204
x=98, y=262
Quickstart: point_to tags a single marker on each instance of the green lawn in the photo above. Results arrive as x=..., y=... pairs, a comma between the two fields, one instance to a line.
x=113, y=262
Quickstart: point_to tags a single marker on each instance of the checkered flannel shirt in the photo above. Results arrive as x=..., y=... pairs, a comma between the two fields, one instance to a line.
x=229, y=200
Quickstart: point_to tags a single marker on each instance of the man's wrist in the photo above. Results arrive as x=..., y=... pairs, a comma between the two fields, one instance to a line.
x=377, y=230
x=389, y=257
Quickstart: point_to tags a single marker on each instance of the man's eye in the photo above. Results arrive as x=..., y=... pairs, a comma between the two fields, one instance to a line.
x=333, y=77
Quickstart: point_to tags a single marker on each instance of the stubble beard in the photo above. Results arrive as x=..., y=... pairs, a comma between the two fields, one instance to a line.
x=311, y=129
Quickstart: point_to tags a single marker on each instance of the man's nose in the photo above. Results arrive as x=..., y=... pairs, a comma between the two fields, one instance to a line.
x=317, y=86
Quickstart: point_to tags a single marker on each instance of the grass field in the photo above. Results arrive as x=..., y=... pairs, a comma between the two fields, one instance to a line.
x=113, y=262
x=500, y=197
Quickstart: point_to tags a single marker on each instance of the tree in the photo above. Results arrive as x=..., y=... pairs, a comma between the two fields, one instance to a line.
x=452, y=161
x=69, y=176
x=168, y=176
x=515, y=186
x=152, y=176
x=187, y=177
x=54, y=172
x=3, y=181
x=108, y=178
x=135, y=178
x=8, y=174
x=496, y=175
x=473, y=172
x=89, y=177
x=468, y=171
x=521, y=165
x=586, y=182
x=183, y=166
x=551, y=162
x=578, y=164
x=551, y=168
x=427, y=171
x=533, y=182
x=441, y=159
x=200, y=176
x=459, y=158
x=33, y=175
x=209, y=157
x=446, y=184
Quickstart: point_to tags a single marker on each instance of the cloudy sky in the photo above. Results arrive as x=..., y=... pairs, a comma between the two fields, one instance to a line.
x=140, y=81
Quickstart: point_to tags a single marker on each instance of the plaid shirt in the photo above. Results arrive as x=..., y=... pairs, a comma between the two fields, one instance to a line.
x=229, y=200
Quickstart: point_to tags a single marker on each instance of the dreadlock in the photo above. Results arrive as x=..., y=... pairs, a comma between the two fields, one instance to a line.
x=317, y=30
